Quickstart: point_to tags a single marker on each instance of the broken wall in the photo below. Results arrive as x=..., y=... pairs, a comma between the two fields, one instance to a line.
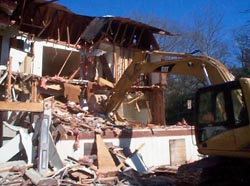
x=118, y=58
x=49, y=58
x=159, y=148
x=157, y=78
x=54, y=58
x=41, y=58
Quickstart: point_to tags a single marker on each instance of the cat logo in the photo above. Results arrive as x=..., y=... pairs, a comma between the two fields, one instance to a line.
x=165, y=68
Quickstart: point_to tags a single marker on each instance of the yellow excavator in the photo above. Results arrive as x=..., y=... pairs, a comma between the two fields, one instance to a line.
x=222, y=114
x=222, y=134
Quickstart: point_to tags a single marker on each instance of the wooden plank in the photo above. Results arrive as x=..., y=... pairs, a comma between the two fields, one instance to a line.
x=34, y=91
x=106, y=163
x=74, y=73
x=21, y=106
x=6, y=169
x=66, y=60
x=115, y=63
x=102, y=81
x=9, y=78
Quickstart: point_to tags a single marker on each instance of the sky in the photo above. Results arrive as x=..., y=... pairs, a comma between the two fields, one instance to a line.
x=179, y=10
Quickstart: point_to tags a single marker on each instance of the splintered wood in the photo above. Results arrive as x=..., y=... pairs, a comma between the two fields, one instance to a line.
x=106, y=163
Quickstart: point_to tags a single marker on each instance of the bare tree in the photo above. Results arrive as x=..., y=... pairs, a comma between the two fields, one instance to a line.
x=206, y=33
x=242, y=40
x=203, y=31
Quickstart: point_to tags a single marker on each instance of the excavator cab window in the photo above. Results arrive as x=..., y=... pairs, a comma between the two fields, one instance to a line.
x=212, y=108
x=219, y=108
x=239, y=108
x=212, y=114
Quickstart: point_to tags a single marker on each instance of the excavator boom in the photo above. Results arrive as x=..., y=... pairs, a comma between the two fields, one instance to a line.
x=203, y=67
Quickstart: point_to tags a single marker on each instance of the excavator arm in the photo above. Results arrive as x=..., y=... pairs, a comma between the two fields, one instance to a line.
x=203, y=67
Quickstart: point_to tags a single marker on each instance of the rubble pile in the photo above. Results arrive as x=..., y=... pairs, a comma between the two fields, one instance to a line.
x=80, y=175
x=109, y=166
x=69, y=119
x=65, y=76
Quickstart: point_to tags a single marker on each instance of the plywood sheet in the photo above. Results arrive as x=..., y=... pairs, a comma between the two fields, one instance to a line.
x=106, y=163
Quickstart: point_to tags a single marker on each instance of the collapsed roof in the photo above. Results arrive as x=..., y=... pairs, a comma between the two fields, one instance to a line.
x=47, y=20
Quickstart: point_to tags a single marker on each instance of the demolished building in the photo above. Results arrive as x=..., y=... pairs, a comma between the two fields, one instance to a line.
x=67, y=87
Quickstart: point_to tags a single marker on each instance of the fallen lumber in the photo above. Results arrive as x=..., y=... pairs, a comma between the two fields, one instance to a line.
x=106, y=163
x=21, y=106
x=6, y=169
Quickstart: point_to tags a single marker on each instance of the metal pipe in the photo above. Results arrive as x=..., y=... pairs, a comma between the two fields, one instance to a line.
x=204, y=70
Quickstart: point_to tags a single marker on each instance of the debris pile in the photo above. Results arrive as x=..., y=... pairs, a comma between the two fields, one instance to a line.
x=77, y=174
x=64, y=77
x=28, y=165
x=109, y=166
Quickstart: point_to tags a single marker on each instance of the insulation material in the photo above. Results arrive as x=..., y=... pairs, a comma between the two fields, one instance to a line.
x=17, y=59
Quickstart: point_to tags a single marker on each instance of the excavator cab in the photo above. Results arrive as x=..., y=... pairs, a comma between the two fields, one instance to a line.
x=222, y=133
x=222, y=121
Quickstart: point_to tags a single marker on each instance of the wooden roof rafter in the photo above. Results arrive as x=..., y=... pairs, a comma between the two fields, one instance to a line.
x=53, y=21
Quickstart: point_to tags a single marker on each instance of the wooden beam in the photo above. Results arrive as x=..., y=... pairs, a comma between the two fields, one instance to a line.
x=132, y=37
x=58, y=34
x=7, y=169
x=115, y=64
x=103, y=82
x=106, y=163
x=34, y=91
x=117, y=32
x=109, y=26
x=124, y=33
x=66, y=60
x=68, y=35
x=44, y=28
x=139, y=39
x=74, y=73
x=21, y=106
x=36, y=26
x=9, y=79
